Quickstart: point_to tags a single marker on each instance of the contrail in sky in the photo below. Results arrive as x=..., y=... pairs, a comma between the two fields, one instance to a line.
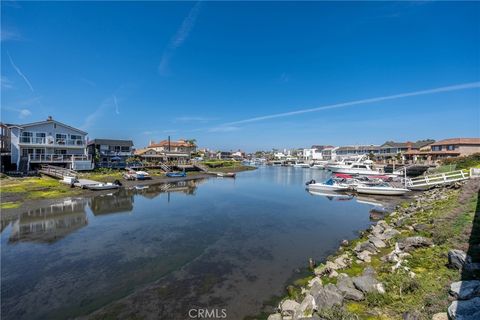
x=357, y=102
x=20, y=73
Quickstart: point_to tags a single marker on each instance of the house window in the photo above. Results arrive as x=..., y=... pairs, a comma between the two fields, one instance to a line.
x=75, y=137
x=26, y=137
x=61, y=138
x=436, y=148
x=451, y=147
x=60, y=151
x=26, y=152
x=125, y=149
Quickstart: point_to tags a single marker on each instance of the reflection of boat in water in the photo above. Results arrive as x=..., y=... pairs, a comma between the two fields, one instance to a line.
x=372, y=200
x=112, y=203
x=332, y=195
x=51, y=223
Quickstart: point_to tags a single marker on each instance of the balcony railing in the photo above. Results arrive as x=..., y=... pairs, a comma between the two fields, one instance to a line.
x=51, y=141
x=116, y=153
x=58, y=157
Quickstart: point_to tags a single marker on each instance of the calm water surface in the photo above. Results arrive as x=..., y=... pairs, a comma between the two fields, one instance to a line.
x=227, y=243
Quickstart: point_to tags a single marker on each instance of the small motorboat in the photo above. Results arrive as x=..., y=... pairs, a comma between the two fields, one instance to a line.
x=299, y=164
x=102, y=186
x=226, y=174
x=176, y=174
x=384, y=189
x=142, y=175
x=329, y=185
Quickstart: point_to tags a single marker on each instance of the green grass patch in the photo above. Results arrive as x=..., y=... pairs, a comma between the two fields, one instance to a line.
x=10, y=205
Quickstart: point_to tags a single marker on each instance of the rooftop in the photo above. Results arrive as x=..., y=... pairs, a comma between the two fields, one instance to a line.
x=472, y=141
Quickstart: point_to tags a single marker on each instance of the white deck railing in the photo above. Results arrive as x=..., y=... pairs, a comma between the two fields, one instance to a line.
x=50, y=141
x=436, y=179
x=45, y=158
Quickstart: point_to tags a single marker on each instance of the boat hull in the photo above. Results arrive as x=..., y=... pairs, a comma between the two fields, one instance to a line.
x=385, y=191
x=326, y=187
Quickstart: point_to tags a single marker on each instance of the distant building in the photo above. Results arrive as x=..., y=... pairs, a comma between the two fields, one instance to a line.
x=353, y=151
x=390, y=149
x=181, y=146
x=224, y=155
x=455, y=147
x=329, y=153
x=168, y=151
x=49, y=142
x=238, y=155
x=110, y=153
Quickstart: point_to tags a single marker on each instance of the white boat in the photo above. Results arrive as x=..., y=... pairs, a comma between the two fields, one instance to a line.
x=102, y=186
x=329, y=185
x=359, y=167
x=380, y=189
x=319, y=165
x=299, y=164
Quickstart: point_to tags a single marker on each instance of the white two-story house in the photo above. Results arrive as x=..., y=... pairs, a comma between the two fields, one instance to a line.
x=49, y=142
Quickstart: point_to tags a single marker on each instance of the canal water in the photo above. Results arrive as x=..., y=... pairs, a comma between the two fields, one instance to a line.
x=162, y=250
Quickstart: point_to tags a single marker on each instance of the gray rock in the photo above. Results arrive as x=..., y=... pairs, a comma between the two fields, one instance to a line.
x=327, y=297
x=465, y=309
x=367, y=282
x=315, y=289
x=440, y=316
x=411, y=243
x=275, y=316
x=377, y=242
x=347, y=288
x=364, y=256
x=388, y=234
x=420, y=227
x=288, y=307
x=457, y=259
x=367, y=245
x=411, y=315
x=305, y=309
x=464, y=290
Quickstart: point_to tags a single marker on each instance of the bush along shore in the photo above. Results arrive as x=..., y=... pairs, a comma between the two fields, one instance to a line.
x=420, y=262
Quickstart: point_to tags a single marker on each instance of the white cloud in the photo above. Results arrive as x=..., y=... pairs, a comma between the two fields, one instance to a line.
x=24, y=113
x=6, y=83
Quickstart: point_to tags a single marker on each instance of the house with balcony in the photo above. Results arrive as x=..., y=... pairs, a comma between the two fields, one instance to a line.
x=391, y=149
x=174, y=151
x=447, y=148
x=48, y=142
x=110, y=153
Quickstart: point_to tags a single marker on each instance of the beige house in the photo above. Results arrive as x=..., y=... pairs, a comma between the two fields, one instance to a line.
x=455, y=147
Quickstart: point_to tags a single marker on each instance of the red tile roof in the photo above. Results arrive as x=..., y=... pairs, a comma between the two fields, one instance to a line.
x=457, y=141
x=164, y=143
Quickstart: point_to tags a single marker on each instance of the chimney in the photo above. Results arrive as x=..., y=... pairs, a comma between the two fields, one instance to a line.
x=49, y=118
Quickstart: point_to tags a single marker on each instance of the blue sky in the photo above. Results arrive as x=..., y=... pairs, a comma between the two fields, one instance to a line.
x=147, y=70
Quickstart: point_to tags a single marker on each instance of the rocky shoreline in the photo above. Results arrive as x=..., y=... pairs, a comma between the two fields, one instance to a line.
x=366, y=277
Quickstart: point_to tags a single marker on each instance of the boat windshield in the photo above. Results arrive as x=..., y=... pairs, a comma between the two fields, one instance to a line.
x=329, y=182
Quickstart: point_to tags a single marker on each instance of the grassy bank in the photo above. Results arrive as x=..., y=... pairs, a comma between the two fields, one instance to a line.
x=16, y=190
x=226, y=166
x=420, y=286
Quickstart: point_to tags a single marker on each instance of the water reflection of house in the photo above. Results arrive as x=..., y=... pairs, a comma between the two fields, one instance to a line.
x=121, y=201
x=187, y=187
x=49, y=224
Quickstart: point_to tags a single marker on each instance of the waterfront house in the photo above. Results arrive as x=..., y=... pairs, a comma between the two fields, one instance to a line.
x=354, y=151
x=174, y=151
x=5, y=146
x=110, y=153
x=454, y=147
x=329, y=153
x=49, y=142
x=391, y=149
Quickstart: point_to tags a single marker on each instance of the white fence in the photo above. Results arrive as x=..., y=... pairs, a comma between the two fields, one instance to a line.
x=428, y=181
